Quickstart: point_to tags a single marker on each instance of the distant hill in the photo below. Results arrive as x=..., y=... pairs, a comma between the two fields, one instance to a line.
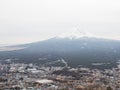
x=78, y=51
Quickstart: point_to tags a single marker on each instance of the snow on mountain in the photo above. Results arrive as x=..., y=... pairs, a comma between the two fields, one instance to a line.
x=75, y=35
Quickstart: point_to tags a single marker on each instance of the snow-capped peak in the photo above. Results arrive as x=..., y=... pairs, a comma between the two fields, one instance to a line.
x=75, y=35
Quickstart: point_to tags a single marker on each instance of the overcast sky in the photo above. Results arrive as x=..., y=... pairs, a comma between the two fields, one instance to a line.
x=24, y=21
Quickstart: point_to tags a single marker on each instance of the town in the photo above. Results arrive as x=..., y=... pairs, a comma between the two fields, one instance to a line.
x=20, y=76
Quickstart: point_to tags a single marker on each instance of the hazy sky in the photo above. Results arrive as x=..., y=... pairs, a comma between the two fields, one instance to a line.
x=24, y=21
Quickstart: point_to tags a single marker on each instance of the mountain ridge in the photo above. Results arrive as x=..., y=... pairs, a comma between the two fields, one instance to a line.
x=83, y=51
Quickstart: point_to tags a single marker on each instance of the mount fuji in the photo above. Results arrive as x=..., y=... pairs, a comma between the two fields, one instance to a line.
x=76, y=48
